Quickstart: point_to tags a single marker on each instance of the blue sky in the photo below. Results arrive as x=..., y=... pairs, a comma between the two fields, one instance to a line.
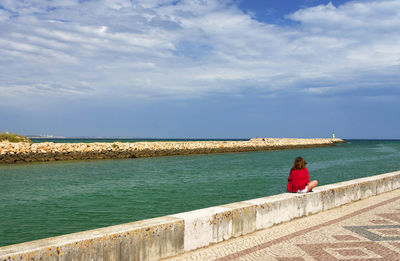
x=200, y=68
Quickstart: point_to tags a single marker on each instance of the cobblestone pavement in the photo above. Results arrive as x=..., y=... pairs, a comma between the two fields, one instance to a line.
x=368, y=229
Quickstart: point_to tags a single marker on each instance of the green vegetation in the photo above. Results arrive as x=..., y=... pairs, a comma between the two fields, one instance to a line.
x=11, y=137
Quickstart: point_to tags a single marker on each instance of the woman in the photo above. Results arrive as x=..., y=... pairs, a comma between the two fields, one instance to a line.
x=299, y=181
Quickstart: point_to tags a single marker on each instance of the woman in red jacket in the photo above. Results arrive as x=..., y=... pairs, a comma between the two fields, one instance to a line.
x=299, y=181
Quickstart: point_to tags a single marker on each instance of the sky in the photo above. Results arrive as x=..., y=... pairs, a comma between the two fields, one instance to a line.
x=200, y=68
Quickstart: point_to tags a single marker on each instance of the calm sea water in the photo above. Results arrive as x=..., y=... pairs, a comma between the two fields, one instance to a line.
x=47, y=199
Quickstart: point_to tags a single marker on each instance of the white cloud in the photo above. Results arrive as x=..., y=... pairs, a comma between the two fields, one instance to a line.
x=187, y=49
x=4, y=15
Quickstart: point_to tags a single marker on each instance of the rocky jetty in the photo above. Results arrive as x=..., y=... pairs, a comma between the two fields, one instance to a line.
x=49, y=151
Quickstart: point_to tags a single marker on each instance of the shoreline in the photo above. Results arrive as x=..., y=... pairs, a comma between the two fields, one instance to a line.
x=48, y=151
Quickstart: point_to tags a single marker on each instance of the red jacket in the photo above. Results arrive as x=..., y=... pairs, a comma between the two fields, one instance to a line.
x=298, y=179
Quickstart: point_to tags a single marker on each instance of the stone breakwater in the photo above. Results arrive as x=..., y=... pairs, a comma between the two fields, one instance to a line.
x=49, y=151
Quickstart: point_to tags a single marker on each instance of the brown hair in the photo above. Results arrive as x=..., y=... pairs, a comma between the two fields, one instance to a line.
x=299, y=163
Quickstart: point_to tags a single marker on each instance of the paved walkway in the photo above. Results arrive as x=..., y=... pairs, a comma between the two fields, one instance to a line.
x=368, y=229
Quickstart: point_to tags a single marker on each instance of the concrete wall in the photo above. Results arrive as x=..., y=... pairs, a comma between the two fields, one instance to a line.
x=172, y=235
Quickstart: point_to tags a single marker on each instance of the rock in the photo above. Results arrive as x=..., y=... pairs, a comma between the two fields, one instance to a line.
x=49, y=151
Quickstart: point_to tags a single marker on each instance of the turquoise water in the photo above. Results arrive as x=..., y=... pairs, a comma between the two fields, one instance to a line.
x=47, y=199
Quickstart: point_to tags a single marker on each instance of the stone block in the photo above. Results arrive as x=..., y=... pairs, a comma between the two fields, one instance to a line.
x=396, y=180
x=273, y=210
x=243, y=216
x=206, y=226
x=308, y=203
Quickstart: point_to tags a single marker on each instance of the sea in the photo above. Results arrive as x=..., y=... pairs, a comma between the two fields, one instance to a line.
x=40, y=200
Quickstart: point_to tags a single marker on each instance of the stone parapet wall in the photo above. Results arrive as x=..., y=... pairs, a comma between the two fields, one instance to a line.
x=48, y=151
x=158, y=238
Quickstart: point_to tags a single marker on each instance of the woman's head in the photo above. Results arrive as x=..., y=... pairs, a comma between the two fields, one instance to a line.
x=299, y=163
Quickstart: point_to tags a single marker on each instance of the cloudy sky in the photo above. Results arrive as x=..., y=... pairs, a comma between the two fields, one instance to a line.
x=200, y=68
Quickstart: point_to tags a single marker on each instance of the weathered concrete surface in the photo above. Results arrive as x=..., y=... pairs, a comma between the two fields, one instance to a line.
x=143, y=240
x=205, y=226
x=172, y=235
x=211, y=225
x=49, y=151
x=216, y=224
x=366, y=229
